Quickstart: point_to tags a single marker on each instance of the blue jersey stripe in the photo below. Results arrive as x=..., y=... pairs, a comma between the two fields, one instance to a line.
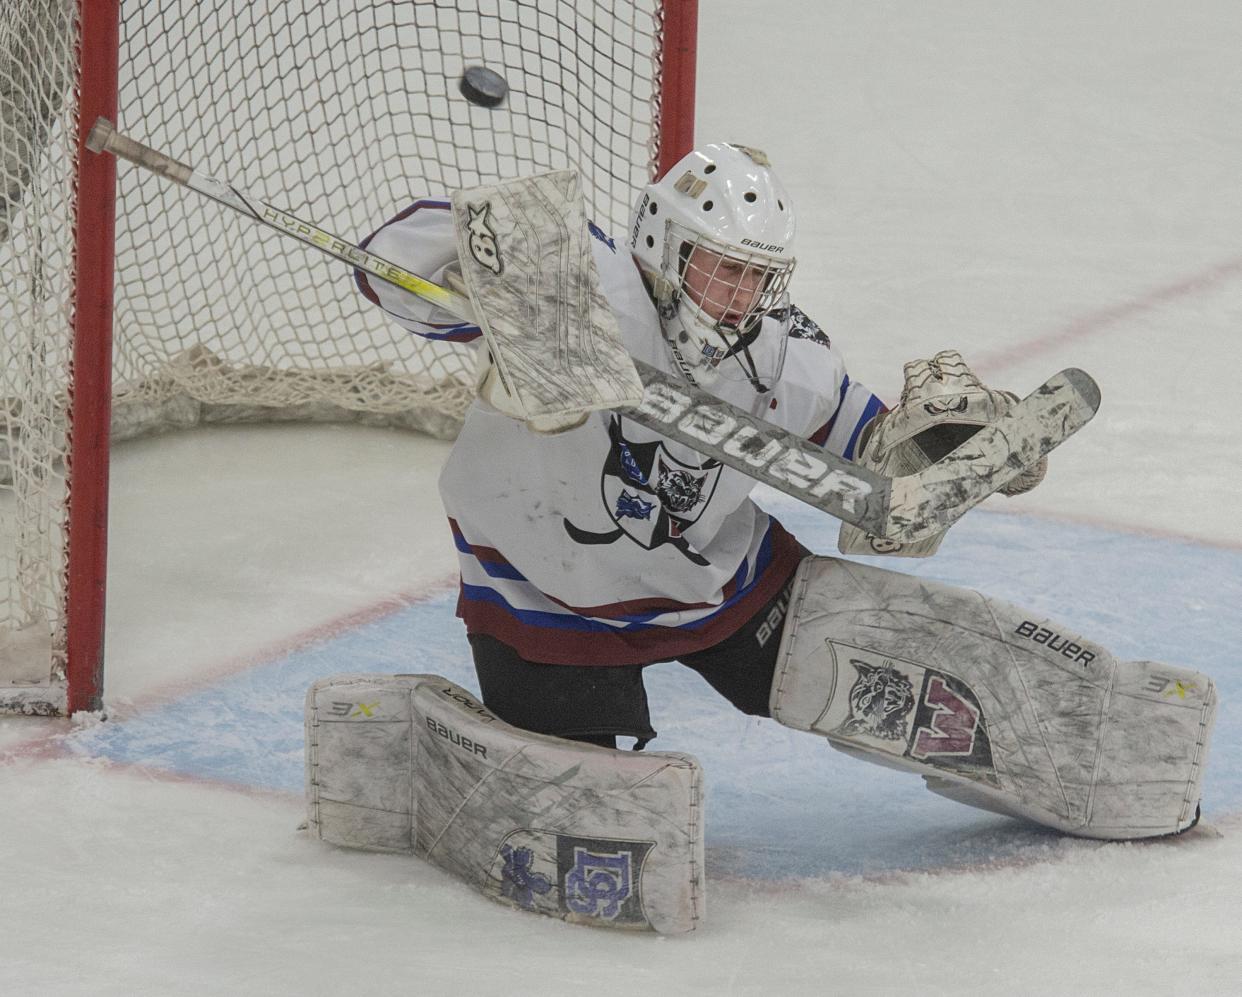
x=633, y=621
x=874, y=408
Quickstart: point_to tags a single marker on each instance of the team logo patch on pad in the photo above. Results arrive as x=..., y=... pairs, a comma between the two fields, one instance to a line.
x=572, y=877
x=600, y=877
x=519, y=882
x=949, y=730
x=880, y=701
x=905, y=709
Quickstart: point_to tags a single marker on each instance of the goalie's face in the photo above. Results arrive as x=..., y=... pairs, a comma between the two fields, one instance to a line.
x=720, y=295
x=727, y=290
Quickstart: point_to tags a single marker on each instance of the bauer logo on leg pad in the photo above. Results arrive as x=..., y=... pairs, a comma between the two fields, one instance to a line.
x=771, y=626
x=940, y=724
x=1078, y=654
x=453, y=737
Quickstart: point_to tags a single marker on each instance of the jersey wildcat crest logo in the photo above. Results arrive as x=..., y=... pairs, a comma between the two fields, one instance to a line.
x=679, y=490
x=651, y=496
x=483, y=245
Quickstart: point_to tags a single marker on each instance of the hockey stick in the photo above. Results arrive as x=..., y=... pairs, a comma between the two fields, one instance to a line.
x=905, y=509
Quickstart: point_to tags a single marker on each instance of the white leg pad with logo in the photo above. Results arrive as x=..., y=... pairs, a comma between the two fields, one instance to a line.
x=413, y=763
x=993, y=706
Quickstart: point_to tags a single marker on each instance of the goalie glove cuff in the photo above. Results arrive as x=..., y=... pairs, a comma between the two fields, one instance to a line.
x=492, y=392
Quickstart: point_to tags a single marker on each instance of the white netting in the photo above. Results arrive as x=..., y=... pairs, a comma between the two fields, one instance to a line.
x=36, y=249
x=341, y=112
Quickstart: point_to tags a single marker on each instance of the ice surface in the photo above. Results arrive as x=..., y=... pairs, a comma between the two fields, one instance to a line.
x=1036, y=185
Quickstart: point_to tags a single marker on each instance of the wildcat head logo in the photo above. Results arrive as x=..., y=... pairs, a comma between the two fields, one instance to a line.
x=881, y=699
x=483, y=239
x=651, y=496
x=679, y=490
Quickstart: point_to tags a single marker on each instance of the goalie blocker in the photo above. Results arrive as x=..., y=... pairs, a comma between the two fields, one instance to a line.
x=994, y=707
x=413, y=763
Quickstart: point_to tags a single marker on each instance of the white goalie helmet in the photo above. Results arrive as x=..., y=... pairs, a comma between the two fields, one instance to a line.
x=714, y=241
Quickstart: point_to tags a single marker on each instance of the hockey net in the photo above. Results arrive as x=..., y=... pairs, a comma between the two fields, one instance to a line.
x=342, y=112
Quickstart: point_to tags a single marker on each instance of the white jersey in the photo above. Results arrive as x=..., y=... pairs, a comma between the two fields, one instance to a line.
x=610, y=544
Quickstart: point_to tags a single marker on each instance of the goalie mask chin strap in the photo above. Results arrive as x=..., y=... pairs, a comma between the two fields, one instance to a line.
x=667, y=302
x=741, y=351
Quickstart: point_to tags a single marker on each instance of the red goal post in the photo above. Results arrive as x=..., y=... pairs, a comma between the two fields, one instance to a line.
x=120, y=316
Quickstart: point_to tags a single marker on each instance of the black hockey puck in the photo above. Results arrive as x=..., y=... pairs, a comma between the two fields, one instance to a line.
x=483, y=86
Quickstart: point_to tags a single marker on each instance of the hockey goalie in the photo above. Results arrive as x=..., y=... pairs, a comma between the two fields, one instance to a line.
x=593, y=551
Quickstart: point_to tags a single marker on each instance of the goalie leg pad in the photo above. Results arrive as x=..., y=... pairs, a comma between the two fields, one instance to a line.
x=993, y=706
x=414, y=763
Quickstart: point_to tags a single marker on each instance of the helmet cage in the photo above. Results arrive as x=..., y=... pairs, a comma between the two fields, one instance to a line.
x=713, y=240
x=721, y=290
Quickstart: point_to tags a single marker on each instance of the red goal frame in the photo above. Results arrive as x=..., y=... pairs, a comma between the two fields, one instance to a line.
x=94, y=258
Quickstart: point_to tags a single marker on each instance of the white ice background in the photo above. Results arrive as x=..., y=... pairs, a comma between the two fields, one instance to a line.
x=1037, y=185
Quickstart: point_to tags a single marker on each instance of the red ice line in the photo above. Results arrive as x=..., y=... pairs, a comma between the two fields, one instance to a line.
x=1109, y=523
x=1087, y=325
x=1106, y=318
x=1102, y=320
x=296, y=642
x=49, y=744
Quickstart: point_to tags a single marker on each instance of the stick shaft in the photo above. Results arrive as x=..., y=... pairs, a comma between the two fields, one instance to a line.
x=105, y=138
x=908, y=508
x=681, y=412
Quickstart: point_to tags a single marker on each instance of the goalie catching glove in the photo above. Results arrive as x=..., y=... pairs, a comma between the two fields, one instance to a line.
x=942, y=405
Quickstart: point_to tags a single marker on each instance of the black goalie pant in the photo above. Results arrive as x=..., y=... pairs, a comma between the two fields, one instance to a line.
x=598, y=703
